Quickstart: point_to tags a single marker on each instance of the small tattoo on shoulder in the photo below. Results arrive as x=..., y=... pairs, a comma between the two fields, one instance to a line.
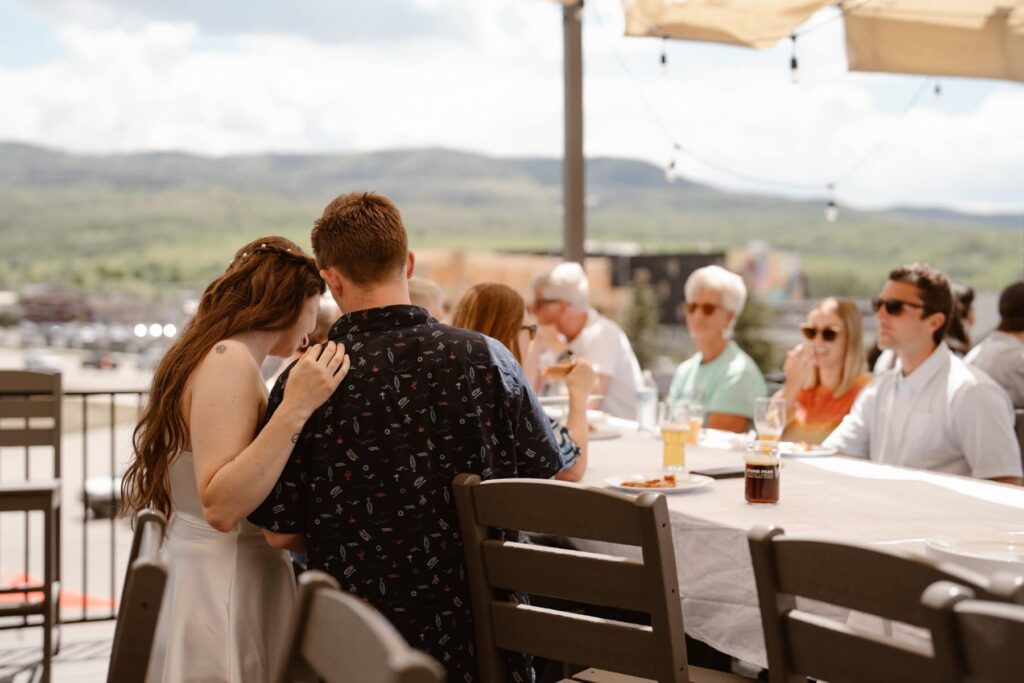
x=221, y=348
x=295, y=438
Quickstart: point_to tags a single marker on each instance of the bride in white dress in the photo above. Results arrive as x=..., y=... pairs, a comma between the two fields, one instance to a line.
x=198, y=458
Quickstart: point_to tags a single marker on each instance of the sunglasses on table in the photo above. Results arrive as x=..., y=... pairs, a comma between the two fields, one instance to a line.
x=706, y=309
x=810, y=332
x=895, y=307
x=531, y=330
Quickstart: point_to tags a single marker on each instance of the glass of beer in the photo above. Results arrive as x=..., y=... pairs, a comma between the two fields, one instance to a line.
x=770, y=417
x=674, y=422
x=761, y=474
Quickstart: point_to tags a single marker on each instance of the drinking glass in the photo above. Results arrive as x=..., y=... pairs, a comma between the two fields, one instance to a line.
x=761, y=472
x=673, y=419
x=770, y=418
x=696, y=413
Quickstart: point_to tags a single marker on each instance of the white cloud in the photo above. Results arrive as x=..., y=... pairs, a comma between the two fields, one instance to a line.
x=496, y=87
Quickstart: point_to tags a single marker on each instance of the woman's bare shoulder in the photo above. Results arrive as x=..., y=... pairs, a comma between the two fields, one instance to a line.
x=227, y=361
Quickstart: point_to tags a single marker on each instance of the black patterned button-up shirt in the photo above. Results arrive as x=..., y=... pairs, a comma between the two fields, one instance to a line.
x=369, y=481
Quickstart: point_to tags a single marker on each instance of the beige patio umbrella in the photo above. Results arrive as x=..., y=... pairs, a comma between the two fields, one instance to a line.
x=980, y=38
x=750, y=23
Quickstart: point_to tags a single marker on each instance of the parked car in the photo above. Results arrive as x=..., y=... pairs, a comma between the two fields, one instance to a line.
x=102, y=496
x=100, y=361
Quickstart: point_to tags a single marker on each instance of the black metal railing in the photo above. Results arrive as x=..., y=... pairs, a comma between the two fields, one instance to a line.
x=93, y=539
x=99, y=506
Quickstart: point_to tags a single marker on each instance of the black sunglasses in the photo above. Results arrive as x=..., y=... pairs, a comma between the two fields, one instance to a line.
x=530, y=330
x=707, y=309
x=894, y=307
x=828, y=334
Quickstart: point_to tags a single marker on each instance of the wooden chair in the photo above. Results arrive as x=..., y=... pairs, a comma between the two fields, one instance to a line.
x=649, y=586
x=141, y=596
x=26, y=397
x=800, y=644
x=338, y=638
x=975, y=640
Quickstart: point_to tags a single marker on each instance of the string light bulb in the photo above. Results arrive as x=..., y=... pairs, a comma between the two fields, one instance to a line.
x=831, y=211
x=794, y=67
x=670, y=171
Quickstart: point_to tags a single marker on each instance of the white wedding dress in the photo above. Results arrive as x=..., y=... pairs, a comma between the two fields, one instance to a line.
x=228, y=599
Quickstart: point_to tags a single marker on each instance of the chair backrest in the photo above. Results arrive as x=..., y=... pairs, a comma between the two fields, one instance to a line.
x=338, y=638
x=26, y=396
x=497, y=567
x=884, y=584
x=976, y=640
x=141, y=596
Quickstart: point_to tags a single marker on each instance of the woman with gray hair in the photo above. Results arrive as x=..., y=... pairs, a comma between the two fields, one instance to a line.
x=720, y=375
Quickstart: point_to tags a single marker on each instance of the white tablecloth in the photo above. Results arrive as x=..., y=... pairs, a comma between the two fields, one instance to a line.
x=833, y=498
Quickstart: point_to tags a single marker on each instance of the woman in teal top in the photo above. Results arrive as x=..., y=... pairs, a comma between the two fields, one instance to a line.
x=720, y=375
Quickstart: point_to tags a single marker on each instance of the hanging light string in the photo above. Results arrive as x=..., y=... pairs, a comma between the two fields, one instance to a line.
x=679, y=147
x=793, y=66
x=671, y=169
x=856, y=165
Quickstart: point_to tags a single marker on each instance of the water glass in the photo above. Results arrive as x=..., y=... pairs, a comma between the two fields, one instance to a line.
x=770, y=417
x=696, y=413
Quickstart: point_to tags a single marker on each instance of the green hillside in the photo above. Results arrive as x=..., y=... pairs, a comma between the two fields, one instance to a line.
x=157, y=220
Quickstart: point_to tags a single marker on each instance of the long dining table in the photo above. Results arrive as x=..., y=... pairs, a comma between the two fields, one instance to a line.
x=834, y=498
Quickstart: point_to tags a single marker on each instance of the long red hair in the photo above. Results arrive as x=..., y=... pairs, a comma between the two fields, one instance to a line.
x=495, y=310
x=263, y=289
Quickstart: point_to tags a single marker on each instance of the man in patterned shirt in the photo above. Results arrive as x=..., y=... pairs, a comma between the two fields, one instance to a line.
x=367, y=489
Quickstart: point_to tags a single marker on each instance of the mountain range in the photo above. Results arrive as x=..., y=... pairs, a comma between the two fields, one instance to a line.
x=168, y=219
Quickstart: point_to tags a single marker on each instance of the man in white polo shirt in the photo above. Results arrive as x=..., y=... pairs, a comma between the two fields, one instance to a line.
x=561, y=301
x=932, y=411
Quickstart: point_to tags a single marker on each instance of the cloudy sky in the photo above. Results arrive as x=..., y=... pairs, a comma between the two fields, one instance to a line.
x=230, y=76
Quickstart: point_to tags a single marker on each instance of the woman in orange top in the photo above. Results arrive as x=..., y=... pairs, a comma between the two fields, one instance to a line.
x=826, y=372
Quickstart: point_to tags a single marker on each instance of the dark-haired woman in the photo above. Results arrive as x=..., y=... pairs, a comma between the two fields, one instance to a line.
x=198, y=458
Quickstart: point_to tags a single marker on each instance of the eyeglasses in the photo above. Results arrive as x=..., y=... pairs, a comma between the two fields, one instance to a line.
x=530, y=330
x=894, y=307
x=706, y=309
x=542, y=302
x=828, y=334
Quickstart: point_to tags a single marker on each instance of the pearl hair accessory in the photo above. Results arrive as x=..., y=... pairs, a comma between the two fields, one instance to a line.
x=263, y=246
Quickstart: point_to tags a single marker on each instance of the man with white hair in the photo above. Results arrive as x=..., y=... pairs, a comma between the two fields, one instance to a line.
x=561, y=302
x=721, y=376
x=427, y=294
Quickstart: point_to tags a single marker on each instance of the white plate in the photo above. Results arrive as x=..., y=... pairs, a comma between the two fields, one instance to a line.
x=985, y=553
x=794, y=450
x=684, y=482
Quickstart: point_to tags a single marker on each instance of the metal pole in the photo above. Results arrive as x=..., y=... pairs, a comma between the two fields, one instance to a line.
x=572, y=164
